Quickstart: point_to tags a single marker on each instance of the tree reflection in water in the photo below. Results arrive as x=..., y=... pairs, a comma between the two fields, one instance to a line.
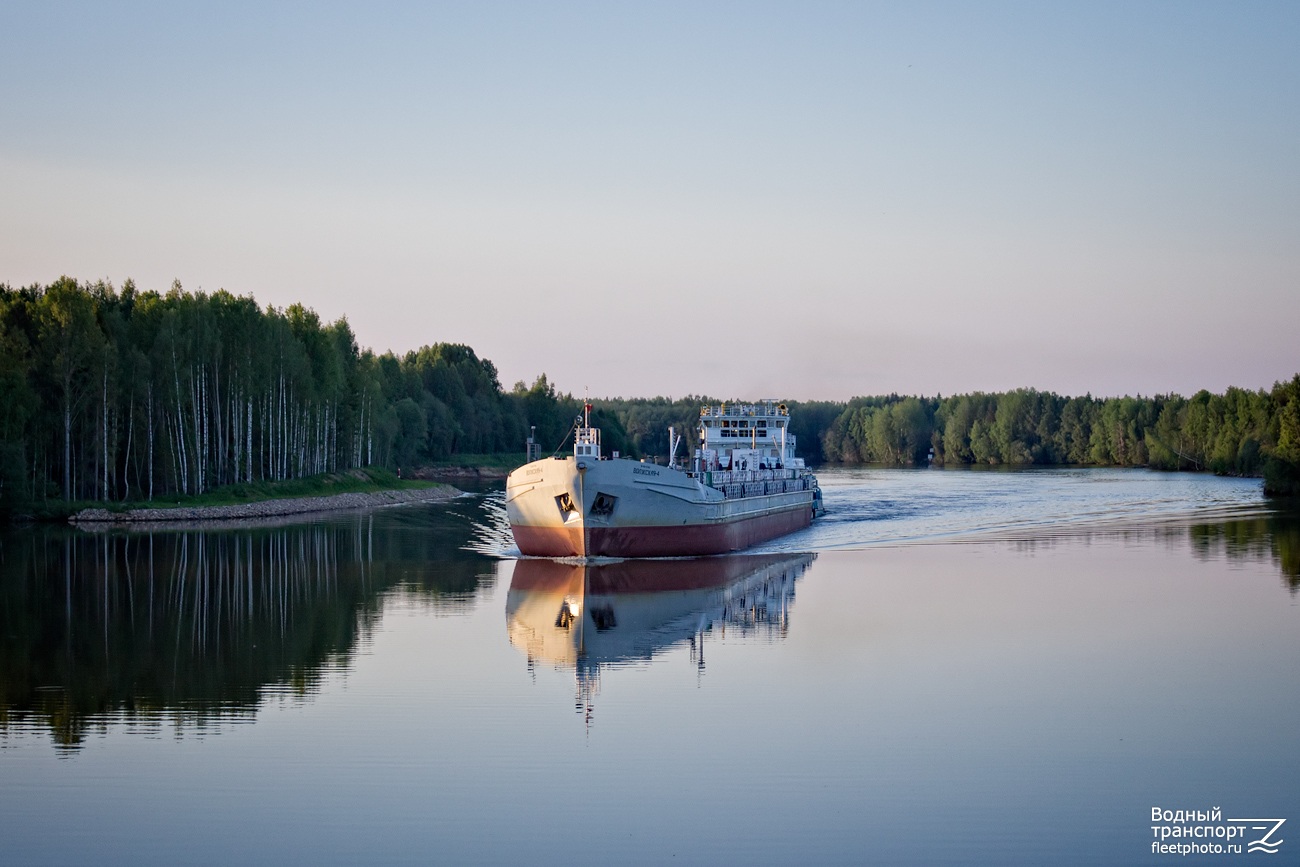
x=193, y=627
x=1265, y=538
x=1272, y=538
x=189, y=628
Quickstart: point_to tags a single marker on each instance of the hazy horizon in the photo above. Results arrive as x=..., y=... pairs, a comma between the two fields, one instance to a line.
x=809, y=202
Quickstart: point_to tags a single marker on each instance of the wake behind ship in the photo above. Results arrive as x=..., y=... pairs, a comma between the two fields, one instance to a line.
x=744, y=486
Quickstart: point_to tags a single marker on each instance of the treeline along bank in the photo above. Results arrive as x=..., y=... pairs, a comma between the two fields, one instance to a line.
x=129, y=395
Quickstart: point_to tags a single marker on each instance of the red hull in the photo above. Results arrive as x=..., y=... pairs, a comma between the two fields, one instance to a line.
x=683, y=540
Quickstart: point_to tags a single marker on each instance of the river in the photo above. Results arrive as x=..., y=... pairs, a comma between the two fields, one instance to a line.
x=950, y=667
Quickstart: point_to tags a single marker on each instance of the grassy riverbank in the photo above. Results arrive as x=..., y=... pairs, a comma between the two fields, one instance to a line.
x=506, y=461
x=361, y=481
x=469, y=468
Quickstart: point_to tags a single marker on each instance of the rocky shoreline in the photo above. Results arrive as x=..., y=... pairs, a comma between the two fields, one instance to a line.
x=268, y=508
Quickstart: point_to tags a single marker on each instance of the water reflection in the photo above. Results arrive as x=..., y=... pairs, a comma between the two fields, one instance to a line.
x=591, y=617
x=185, y=629
x=190, y=628
x=1271, y=538
x=1266, y=538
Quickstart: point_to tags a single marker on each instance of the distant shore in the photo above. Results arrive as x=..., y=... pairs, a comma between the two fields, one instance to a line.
x=457, y=473
x=269, y=508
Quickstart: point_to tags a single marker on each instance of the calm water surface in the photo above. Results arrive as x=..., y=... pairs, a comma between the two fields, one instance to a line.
x=951, y=667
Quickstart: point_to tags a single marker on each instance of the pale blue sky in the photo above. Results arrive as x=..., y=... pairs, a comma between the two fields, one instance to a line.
x=805, y=200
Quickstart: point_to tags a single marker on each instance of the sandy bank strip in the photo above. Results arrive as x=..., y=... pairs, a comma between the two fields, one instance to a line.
x=268, y=508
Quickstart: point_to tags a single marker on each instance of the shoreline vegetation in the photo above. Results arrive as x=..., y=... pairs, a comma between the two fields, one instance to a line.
x=258, y=509
x=120, y=399
x=354, y=489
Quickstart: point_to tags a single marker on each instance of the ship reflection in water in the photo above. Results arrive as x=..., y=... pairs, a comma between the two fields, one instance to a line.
x=590, y=617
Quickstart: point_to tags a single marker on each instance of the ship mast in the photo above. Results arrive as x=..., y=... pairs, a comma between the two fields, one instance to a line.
x=587, y=443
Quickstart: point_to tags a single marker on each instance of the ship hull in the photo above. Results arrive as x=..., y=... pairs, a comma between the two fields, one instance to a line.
x=622, y=508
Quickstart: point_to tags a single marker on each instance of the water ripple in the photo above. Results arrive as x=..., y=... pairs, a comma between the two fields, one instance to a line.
x=873, y=506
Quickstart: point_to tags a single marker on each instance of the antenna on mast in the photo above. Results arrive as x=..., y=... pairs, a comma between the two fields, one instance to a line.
x=674, y=440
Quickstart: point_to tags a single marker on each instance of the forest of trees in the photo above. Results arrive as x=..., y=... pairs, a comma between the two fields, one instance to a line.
x=128, y=395
x=1248, y=433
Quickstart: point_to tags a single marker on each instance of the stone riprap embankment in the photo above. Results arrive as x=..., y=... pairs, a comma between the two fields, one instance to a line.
x=268, y=508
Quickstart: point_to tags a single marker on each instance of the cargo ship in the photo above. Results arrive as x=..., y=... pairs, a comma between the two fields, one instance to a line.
x=743, y=485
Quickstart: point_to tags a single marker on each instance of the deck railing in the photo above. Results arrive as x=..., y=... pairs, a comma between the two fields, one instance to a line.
x=745, y=410
x=755, y=483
